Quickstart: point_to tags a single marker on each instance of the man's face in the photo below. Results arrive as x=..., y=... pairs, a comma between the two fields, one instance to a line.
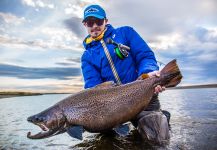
x=95, y=26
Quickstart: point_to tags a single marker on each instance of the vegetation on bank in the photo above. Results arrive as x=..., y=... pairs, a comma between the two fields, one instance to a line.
x=19, y=93
x=8, y=94
x=5, y=94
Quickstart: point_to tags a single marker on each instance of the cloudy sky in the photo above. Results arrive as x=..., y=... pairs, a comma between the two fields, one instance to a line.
x=41, y=40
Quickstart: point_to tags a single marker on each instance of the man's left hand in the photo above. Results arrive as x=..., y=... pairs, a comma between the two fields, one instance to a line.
x=158, y=88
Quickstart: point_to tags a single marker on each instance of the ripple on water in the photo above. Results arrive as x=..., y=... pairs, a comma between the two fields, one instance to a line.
x=55, y=145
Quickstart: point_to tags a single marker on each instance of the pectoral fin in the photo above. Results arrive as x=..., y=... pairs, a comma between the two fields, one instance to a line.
x=75, y=132
x=122, y=130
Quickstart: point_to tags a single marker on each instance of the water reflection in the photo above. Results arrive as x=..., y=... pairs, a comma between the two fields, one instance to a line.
x=193, y=124
x=194, y=118
x=112, y=142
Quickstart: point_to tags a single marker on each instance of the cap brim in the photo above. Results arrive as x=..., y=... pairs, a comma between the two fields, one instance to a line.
x=96, y=16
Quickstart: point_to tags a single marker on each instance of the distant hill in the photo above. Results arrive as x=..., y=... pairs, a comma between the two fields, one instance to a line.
x=195, y=86
x=5, y=94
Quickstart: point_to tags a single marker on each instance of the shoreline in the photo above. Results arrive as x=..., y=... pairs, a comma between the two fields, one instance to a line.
x=18, y=94
x=194, y=86
x=9, y=94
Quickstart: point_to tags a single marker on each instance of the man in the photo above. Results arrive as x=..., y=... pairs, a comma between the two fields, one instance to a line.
x=101, y=63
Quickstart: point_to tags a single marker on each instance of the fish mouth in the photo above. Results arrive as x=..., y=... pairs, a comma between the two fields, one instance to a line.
x=43, y=134
x=43, y=126
x=47, y=132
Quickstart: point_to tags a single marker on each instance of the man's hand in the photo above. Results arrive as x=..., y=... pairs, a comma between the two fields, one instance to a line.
x=158, y=88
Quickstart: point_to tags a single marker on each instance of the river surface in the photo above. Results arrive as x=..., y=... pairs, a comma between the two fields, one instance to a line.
x=193, y=124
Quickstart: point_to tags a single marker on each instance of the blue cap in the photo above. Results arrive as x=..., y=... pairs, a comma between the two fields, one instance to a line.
x=94, y=11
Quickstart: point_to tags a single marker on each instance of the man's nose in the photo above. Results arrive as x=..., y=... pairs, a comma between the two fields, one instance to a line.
x=95, y=25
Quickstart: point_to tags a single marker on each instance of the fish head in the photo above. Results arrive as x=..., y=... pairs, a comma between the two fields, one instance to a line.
x=51, y=121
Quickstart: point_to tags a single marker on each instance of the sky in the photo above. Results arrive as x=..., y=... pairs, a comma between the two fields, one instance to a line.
x=41, y=40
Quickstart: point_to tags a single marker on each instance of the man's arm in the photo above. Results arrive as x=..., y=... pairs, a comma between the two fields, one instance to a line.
x=90, y=74
x=144, y=57
x=142, y=54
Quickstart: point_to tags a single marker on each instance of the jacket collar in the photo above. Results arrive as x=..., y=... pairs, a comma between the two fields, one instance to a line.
x=108, y=31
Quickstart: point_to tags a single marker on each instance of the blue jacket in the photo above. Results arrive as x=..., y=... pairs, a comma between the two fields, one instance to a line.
x=96, y=68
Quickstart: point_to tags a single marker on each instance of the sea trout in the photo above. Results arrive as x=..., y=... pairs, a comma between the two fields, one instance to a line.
x=103, y=107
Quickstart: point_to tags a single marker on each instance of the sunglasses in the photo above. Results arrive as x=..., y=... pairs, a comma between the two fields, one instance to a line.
x=90, y=22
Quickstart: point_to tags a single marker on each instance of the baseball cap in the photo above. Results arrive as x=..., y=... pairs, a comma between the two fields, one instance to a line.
x=94, y=11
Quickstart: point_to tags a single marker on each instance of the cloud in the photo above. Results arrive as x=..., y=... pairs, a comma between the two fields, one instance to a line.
x=9, y=18
x=76, y=60
x=69, y=62
x=152, y=17
x=38, y=73
x=206, y=34
x=72, y=85
x=198, y=43
x=195, y=50
x=75, y=10
x=44, y=44
x=195, y=69
x=75, y=25
x=38, y=3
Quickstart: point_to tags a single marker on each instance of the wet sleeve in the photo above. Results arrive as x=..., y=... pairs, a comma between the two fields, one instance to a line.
x=142, y=54
x=91, y=75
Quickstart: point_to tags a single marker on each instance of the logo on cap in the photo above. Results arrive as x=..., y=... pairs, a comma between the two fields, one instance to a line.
x=91, y=10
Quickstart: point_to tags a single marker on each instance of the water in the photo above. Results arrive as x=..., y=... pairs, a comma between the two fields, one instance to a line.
x=193, y=124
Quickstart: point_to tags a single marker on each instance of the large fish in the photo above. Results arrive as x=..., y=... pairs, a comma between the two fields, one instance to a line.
x=103, y=107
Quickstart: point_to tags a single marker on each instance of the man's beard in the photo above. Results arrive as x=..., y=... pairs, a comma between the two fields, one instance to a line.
x=95, y=32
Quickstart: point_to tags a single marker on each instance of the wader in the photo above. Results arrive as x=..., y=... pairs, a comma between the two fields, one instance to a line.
x=153, y=123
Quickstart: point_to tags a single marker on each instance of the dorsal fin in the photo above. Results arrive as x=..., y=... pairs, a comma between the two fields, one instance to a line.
x=106, y=84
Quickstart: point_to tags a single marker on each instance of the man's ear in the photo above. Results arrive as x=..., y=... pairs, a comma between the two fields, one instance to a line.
x=84, y=24
x=106, y=21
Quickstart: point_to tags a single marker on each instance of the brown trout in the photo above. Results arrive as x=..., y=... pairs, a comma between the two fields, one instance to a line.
x=103, y=107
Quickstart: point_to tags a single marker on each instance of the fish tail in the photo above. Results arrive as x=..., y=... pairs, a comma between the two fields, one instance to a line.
x=171, y=75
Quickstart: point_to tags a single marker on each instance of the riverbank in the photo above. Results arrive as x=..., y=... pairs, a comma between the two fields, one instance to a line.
x=15, y=94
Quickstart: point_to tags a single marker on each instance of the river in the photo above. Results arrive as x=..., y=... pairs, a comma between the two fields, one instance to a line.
x=193, y=124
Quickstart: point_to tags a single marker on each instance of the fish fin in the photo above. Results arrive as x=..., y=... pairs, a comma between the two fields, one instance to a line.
x=106, y=84
x=171, y=66
x=143, y=76
x=75, y=132
x=122, y=130
x=172, y=69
